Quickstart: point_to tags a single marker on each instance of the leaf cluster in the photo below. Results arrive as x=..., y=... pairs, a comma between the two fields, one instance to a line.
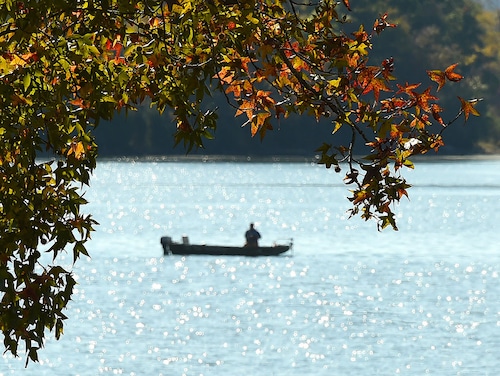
x=68, y=65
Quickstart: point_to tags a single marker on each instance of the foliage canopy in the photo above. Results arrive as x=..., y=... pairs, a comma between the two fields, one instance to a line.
x=67, y=65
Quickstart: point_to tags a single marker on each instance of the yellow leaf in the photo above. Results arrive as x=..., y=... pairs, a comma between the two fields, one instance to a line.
x=335, y=83
x=337, y=126
x=77, y=149
x=17, y=61
x=261, y=118
x=252, y=19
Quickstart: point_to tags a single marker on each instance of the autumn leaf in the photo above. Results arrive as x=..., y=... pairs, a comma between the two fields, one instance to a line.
x=346, y=3
x=382, y=23
x=420, y=122
x=258, y=121
x=115, y=46
x=244, y=61
x=436, y=142
x=440, y=77
x=468, y=107
x=370, y=82
x=436, y=109
x=246, y=107
x=360, y=196
x=437, y=76
x=394, y=104
x=407, y=88
x=155, y=22
x=234, y=88
x=451, y=75
x=290, y=49
x=264, y=98
x=79, y=102
x=225, y=75
x=388, y=68
x=424, y=98
x=402, y=192
x=77, y=149
x=280, y=110
x=19, y=99
x=396, y=132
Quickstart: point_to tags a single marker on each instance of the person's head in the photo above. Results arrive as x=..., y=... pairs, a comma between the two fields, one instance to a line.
x=251, y=225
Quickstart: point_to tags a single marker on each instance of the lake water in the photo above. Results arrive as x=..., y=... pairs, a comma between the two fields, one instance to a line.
x=348, y=301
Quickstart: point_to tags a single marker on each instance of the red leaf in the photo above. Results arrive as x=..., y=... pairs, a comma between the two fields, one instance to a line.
x=435, y=109
x=346, y=3
x=115, y=46
x=280, y=110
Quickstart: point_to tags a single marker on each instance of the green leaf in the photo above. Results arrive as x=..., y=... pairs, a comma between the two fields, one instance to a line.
x=27, y=81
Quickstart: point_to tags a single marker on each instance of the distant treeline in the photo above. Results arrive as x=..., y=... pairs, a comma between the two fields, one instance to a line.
x=430, y=35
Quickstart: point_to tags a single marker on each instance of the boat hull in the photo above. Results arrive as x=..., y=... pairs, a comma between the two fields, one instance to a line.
x=185, y=248
x=194, y=249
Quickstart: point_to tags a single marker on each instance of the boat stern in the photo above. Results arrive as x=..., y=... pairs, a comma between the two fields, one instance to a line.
x=166, y=241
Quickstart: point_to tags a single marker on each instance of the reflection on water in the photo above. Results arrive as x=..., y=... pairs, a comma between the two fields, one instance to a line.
x=285, y=315
x=349, y=300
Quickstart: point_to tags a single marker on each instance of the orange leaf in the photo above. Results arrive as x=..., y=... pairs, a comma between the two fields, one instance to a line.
x=408, y=89
x=259, y=121
x=424, y=98
x=225, y=75
x=452, y=76
x=468, y=107
x=244, y=63
x=154, y=22
x=420, y=122
x=438, y=77
x=246, y=107
x=234, y=88
x=290, y=49
x=393, y=104
x=370, y=82
x=79, y=102
x=77, y=149
x=402, y=192
x=346, y=3
x=17, y=100
x=264, y=98
x=436, y=143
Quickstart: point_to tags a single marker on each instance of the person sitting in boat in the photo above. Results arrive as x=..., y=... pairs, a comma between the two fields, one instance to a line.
x=252, y=236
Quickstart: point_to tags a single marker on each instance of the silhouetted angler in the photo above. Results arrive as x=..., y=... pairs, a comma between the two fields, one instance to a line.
x=252, y=236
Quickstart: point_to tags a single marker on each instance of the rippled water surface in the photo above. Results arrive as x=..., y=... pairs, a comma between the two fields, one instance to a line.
x=348, y=300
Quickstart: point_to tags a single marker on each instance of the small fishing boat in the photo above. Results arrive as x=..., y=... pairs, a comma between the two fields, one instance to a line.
x=185, y=248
